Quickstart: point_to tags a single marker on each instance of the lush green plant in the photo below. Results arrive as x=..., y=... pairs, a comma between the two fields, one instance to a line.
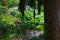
x=8, y=27
x=13, y=3
x=12, y=25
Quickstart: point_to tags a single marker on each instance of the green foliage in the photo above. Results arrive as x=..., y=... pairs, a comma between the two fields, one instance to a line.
x=2, y=8
x=7, y=19
x=13, y=3
x=9, y=28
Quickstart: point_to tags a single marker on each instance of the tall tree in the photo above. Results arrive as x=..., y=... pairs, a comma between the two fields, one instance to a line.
x=32, y=4
x=21, y=6
x=40, y=2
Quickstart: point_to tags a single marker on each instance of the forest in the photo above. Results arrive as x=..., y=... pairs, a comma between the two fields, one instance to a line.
x=22, y=20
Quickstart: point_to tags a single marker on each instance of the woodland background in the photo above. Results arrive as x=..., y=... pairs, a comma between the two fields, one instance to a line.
x=22, y=20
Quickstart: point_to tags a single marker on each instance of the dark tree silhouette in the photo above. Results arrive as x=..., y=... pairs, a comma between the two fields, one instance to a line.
x=31, y=3
x=21, y=6
x=40, y=2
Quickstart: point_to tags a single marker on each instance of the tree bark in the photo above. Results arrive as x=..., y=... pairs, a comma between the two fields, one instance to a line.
x=52, y=19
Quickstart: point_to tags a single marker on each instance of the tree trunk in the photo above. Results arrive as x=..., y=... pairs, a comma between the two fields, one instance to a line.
x=52, y=18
